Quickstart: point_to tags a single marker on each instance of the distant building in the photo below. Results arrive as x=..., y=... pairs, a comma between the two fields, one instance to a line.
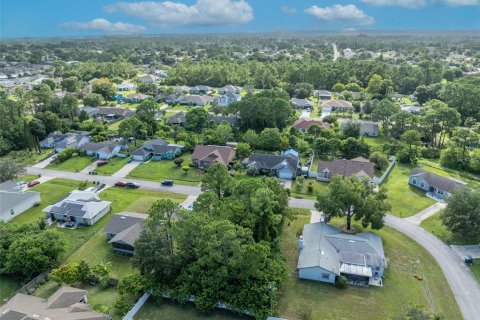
x=111, y=113
x=303, y=124
x=157, y=149
x=228, y=98
x=104, y=150
x=367, y=128
x=338, y=105
x=125, y=86
x=177, y=119
x=201, y=90
x=63, y=141
x=301, y=103
x=230, y=88
x=323, y=94
x=195, y=100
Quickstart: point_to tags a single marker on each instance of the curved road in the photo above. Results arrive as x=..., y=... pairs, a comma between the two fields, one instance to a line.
x=464, y=286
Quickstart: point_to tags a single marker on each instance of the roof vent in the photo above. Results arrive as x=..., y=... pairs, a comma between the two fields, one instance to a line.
x=123, y=217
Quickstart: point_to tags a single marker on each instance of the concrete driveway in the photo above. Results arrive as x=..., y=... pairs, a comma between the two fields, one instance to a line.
x=326, y=112
x=44, y=163
x=126, y=169
x=305, y=114
x=426, y=213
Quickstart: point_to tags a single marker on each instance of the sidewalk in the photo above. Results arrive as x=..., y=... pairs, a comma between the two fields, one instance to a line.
x=426, y=213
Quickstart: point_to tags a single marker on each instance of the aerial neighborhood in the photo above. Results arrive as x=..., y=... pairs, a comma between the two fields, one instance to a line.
x=249, y=176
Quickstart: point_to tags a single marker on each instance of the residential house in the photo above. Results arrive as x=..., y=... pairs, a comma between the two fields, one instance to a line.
x=291, y=153
x=301, y=103
x=283, y=167
x=149, y=78
x=123, y=229
x=90, y=111
x=233, y=120
x=181, y=90
x=137, y=97
x=204, y=156
x=195, y=100
x=125, y=86
x=171, y=99
x=367, y=128
x=177, y=119
x=67, y=303
x=111, y=113
x=303, y=124
x=435, y=185
x=355, y=94
x=157, y=149
x=323, y=94
x=230, y=88
x=63, y=141
x=118, y=97
x=79, y=207
x=338, y=105
x=413, y=109
x=13, y=201
x=201, y=90
x=227, y=98
x=357, y=167
x=102, y=150
x=326, y=253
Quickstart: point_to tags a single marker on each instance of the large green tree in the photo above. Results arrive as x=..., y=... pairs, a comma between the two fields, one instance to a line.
x=462, y=215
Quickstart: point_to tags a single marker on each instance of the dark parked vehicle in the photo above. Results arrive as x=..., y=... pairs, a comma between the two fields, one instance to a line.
x=167, y=183
x=132, y=185
x=101, y=163
x=33, y=183
x=120, y=184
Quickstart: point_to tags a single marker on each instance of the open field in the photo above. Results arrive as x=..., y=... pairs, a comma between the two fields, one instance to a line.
x=73, y=164
x=166, y=169
x=376, y=142
x=301, y=191
x=405, y=260
x=435, y=226
x=112, y=166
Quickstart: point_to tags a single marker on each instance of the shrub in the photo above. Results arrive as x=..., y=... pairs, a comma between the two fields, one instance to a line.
x=253, y=171
x=178, y=162
x=340, y=282
x=310, y=187
x=379, y=159
x=429, y=153
x=123, y=305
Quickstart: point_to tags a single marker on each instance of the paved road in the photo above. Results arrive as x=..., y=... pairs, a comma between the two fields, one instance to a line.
x=148, y=185
x=336, y=54
x=464, y=286
x=426, y=213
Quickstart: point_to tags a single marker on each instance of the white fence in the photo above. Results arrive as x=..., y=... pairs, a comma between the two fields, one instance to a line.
x=392, y=160
x=137, y=306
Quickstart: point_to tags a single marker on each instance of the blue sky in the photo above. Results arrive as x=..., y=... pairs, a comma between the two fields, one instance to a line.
x=46, y=18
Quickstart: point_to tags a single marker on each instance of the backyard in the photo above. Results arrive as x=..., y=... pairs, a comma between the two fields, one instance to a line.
x=112, y=166
x=401, y=289
x=74, y=164
x=166, y=169
x=115, y=126
x=8, y=286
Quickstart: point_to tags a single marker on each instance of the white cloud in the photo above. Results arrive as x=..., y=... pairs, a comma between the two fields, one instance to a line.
x=104, y=26
x=202, y=13
x=416, y=4
x=341, y=14
x=288, y=10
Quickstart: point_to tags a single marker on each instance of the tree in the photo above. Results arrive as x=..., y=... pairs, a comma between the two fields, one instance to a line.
x=50, y=121
x=93, y=100
x=146, y=112
x=384, y=110
x=148, y=88
x=10, y=170
x=101, y=273
x=70, y=107
x=196, y=119
x=217, y=180
x=243, y=150
x=351, y=129
x=270, y=139
x=251, y=137
x=132, y=127
x=34, y=253
x=66, y=274
x=352, y=148
x=462, y=215
x=412, y=139
x=223, y=133
x=38, y=131
x=178, y=162
x=380, y=160
x=70, y=84
x=50, y=82
x=338, y=87
x=104, y=87
x=353, y=198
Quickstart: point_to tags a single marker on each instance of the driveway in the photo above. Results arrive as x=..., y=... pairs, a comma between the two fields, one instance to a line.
x=467, y=250
x=426, y=213
x=190, y=200
x=126, y=169
x=305, y=114
x=44, y=163
x=91, y=167
x=326, y=112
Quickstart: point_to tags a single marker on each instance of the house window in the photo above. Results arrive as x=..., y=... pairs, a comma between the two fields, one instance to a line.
x=439, y=191
x=325, y=174
x=422, y=184
x=325, y=276
x=12, y=212
x=414, y=181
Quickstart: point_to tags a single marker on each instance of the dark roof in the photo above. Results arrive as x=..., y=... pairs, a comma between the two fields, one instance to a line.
x=301, y=102
x=436, y=181
x=219, y=154
x=104, y=111
x=219, y=119
x=178, y=118
x=272, y=161
x=305, y=123
x=124, y=220
x=107, y=146
x=337, y=103
x=158, y=142
x=358, y=167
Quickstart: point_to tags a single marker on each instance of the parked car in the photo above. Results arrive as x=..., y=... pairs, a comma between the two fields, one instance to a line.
x=190, y=207
x=33, y=183
x=133, y=185
x=167, y=183
x=120, y=184
x=101, y=163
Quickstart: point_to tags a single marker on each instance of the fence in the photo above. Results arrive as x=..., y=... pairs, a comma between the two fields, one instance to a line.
x=392, y=160
x=29, y=287
x=137, y=306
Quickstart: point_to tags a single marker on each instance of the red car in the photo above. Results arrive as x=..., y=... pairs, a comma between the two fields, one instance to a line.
x=33, y=183
x=101, y=163
x=120, y=184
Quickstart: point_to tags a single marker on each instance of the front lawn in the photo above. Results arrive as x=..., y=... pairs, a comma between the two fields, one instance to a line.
x=112, y=166
x=166, y=169
x=435, y=226
x=50, y=191
x=74, y=164
x=168, y=310
x=301, y=191
x=27, y=178
x=405, y=260
x=406, y=200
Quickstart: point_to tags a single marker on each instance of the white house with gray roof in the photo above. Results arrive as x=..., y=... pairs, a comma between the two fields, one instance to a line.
x=79, y=207
x=325, y=253
x=12, y=203
x=436, y=186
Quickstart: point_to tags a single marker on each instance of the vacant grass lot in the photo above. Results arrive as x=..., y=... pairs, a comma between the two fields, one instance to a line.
x=434, y=225
x=405, y=260
x=405, y=199
x=168, y=310
x=73, y=164
x=376, y=141
x=301, y=191
x=28, y=158
x=166, y=169
x=112, y=166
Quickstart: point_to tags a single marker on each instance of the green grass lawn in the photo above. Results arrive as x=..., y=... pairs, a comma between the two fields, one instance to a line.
x=114, y=126
x=27, y=178
x=476, y=269
x=8, y=286
x=28, y=158
x=405, y=260
x=112, y=166
x=407, y=100
x=376, y=141
x=406, y=200
x=178, y=107
x=166, y=169
x=50, y=192
x=318, y=186
x=73, y=164
x=173, y=311
x=434, y=225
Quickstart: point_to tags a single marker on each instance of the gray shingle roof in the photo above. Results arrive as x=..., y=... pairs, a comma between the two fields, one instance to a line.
x=126, y=226
x=439, y=182
x=9, y=200
x=218, y=154
x=359, y=167
x=272, y=162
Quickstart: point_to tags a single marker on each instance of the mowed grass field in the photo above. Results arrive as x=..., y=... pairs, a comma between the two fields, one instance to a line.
x=401, y=289
x=166, y=169
x=434, y=225
x=112, y=166
x=73, y=164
